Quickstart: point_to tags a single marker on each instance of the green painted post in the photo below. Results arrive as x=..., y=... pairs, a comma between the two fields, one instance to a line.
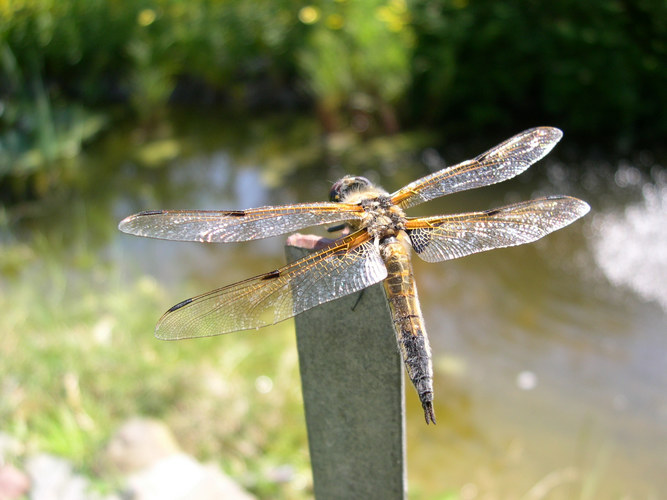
x=352, y=382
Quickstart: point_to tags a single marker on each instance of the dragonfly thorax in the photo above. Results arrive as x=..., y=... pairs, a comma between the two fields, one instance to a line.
x=382, y=218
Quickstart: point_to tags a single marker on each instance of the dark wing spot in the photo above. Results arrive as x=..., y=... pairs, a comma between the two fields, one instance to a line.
x=179, y=305
x=339, y=227
x=150, y=212
x=492, y=212
x=271, y=275
x=236, y=213
x=419, y=244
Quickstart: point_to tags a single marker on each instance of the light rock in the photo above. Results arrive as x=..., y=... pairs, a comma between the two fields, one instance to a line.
x=138, y=444
x=146, y=451
x=13, y=482
x=53, y=479
x=180, y=477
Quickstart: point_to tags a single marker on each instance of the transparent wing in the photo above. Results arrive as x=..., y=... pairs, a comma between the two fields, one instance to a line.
x=498, y=164
x=448, y=237
x=346, y=266
x=235, y=225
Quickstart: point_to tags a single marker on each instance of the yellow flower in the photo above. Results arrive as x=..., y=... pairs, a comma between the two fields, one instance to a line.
x=146, y=17
x=309, y=14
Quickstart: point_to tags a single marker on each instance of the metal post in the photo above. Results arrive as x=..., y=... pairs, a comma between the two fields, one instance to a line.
x=352, y=382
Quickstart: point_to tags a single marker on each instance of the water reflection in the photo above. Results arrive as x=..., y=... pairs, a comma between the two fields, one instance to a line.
x=549, y=362
x=630, y=246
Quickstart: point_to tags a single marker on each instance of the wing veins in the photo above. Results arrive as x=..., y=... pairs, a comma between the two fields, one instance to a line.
x=228, y=226
x=255, y=302
x=448, y=237
x=500, y=163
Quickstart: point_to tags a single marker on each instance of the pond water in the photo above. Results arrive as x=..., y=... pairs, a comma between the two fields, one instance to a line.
x=549, y=358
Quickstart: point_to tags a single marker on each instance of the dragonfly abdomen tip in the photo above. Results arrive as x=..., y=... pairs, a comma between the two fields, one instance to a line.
x=429, y=414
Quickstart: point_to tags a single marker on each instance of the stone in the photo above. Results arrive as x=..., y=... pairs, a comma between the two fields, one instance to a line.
x=52, y=479
x=146, y=452
x=14, y=483
x=180, y=477
x=139, y=443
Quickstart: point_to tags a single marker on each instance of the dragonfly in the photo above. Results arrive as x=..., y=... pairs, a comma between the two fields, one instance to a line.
x=375, y=246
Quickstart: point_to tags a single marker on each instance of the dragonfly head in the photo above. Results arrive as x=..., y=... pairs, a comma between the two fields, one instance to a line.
x=348, y=184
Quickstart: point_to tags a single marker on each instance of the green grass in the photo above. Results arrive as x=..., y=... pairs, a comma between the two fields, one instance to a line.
x=77, y=358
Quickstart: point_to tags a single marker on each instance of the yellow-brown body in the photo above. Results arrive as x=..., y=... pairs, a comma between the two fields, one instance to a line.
x=385, y=223
x=408, y=320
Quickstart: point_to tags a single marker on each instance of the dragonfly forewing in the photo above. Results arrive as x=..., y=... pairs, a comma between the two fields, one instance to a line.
x=500, y=163
x=226, y=226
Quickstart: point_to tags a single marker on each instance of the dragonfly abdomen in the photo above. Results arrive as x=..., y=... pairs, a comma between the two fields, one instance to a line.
x=408, y=320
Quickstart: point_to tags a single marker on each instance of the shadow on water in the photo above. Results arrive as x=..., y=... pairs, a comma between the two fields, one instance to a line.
x=549, y=357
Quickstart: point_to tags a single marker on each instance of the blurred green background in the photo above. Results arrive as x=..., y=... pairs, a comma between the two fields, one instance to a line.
x=549, y=372
x=69, y=68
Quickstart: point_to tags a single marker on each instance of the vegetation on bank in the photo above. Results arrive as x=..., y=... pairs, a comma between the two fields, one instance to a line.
x=78, y=341
x=593, y=68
